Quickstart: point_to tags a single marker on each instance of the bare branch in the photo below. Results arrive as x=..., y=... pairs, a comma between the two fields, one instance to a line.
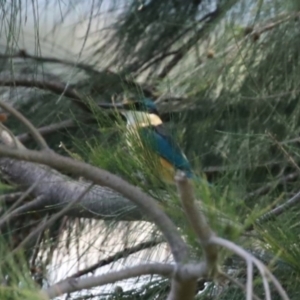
x=25, y=55
x=197, y=220
x=120, y=254
x=250, y=259
x=186, y=289
x=240, y=285
x=210, y=242
x=55, y=87
x=186, y=272
x=73, y=284
x=48, y=129
x=35, y=203
x=36, y=135
x=11, y=197
x=182, y=50
x=140, y=68
x=155, y=60
x=36, y=232
x=59, y=190
x=86, y=67
x=288, y=156
x=264, y=189
x=102, y=177
x=277, y=211
x=237, y=45
x=179, y=53
x=26, y=193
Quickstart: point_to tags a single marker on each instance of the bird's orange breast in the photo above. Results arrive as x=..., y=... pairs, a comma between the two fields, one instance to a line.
x=167, y=170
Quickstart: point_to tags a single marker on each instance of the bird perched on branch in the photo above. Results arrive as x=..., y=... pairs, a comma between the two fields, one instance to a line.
x=147, y=134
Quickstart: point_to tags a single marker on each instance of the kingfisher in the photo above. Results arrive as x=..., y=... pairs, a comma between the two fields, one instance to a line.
x=146, y=130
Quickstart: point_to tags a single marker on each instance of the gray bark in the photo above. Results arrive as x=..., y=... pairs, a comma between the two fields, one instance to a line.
x=59, y=190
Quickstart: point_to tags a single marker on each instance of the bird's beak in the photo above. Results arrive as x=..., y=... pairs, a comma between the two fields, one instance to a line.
x=117, y=106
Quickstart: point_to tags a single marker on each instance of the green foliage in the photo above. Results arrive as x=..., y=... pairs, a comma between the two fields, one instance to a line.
x=233, y=67
x=16, y=281
x=243, y=109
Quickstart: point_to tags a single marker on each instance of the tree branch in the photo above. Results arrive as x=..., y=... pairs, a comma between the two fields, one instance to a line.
x=185, y=289
x=240, y=285
x=138, y=67
x=11, y=197
x=166, y=270
x=36, y=232
x=86, y=67
x=55, y=87
x=198, y=221
x=264, y=189
x=250, y=259
x=280, y=209
x=73, y=285
x=25, y=55
x=58, y=190
x=32, y=205
x=36, y=135
x=120, y=254
x=237, y=45
x=48, y=129
x=179, y=53
x=102, y=177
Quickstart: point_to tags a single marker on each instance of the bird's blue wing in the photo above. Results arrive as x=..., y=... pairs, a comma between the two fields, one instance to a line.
x=159, y=141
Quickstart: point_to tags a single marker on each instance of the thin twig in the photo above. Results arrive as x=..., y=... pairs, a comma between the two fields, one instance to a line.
x=120, y=254
x=249, y=286
x=272, y=25
x=34, y=204
x=188, y=45
x=73, y=285
x=48, y=129
x=277, y=211
x=264, y=189
x=279, y=95
x=139, y=68
x=155, y=60
x=55, y=217
x=25, y=55
x=288, y=156
x=36, y=248
x=10, y=198
x=36, y=135
x=240, y=285
x=269, y=26
x=86, y=67
x=55, y=87
x=26, y=193
x=264, y=271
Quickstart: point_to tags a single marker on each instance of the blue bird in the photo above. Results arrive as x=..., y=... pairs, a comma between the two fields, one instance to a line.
x=145, y=125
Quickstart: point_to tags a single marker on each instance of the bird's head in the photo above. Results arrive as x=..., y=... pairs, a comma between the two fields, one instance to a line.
x=145, y=105
x=136, y=111
x=141, y=112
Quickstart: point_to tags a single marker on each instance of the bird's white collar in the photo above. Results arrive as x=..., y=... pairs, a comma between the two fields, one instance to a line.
x=141, y=119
